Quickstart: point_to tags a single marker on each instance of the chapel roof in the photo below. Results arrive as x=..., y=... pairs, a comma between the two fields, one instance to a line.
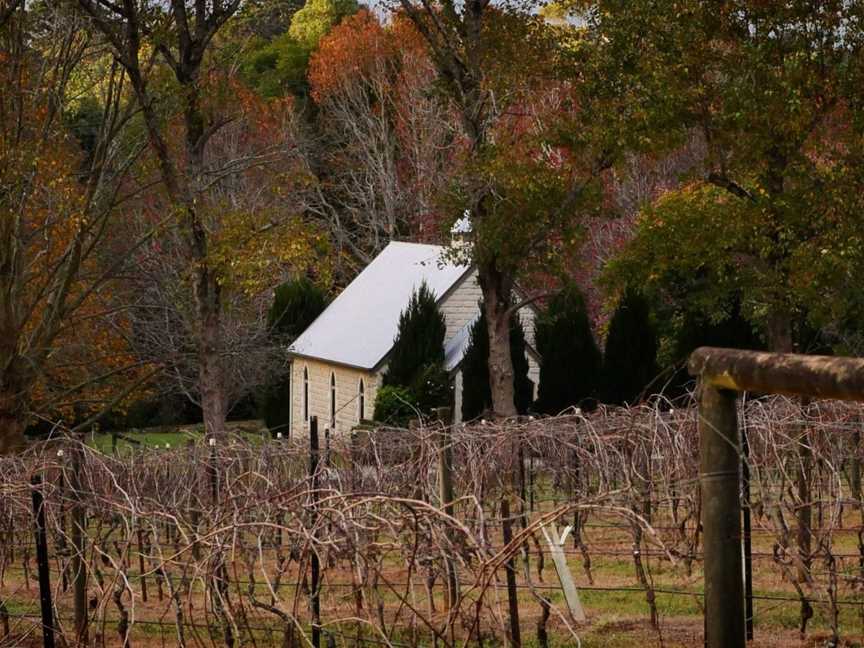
x=358, y=328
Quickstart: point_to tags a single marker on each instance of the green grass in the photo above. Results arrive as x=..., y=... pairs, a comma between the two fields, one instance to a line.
x=174, y=436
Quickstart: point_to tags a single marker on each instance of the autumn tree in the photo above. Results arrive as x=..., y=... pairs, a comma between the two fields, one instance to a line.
x=63, y=339
x=209, y=146
x=276, y=64
x=386, y=141
x=522, y=174
x=771, y=214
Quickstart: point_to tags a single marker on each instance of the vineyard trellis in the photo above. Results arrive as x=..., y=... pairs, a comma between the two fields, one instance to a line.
x=723, y=373
x=214, y=544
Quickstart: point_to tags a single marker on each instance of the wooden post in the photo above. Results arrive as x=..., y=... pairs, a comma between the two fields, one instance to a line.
x=314, y=458
x=79, y=565
x=556, y=550
x=719, y=478
x=445, y=472
x=512, y=600
x=140, y=535
x=42, y=563
x=748, y=540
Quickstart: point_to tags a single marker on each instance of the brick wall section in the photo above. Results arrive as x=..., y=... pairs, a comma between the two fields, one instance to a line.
x=347, y=389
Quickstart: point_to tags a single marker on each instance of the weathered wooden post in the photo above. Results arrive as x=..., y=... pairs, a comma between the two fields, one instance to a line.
x=79, y=533
x=510, y=571
x=720, y=479
x=748, y=536
x=722, y=373
x=45, y=603
x=315, y=595
x=445, y=473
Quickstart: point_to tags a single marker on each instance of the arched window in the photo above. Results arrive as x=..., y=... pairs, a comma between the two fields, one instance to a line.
x=306, y=394
x=361, y=401
x=332, y=401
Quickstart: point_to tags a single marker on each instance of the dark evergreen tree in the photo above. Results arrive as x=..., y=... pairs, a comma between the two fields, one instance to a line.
x=523, y=388
x=296, y=304
x=570, y=361
x=733, y=332
x=476, y=391
x=419, y=342
x=630, y=360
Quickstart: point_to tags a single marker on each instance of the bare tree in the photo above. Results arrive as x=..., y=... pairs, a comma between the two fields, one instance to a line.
x=385, y=139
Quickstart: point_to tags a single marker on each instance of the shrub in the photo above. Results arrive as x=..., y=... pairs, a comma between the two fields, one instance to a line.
x=570, y=361
x=431, y=388
x=416, y=362
x=395, y=405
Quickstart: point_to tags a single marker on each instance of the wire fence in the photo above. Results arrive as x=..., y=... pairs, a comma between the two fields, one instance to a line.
x=274, y=543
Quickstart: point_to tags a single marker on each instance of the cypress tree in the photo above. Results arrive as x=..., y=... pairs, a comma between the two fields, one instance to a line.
x=476, y=391
x=419, y=342
x=523, y=388
x=295, y=305
x=630, y=360
x=733, y=332
x=570, y=361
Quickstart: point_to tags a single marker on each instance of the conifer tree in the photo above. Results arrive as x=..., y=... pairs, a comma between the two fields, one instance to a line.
x=630, y=360
x=296, y=304
x=571, y=364
x=419, y=342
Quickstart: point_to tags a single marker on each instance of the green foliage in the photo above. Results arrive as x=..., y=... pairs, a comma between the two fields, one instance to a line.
x=571, y=364
x=773, y=90
x=630, y=358
x=316, y=18
x=685, y=332
x=296, y=304
x=277, y=66
x=431, y=388
x=523, y=388
x=476, y=390
x=84, y=121
x=395, y=405
x=419, y=339
x=416, y=361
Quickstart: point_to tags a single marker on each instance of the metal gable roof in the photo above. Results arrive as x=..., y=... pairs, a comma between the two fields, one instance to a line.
x=358, y=328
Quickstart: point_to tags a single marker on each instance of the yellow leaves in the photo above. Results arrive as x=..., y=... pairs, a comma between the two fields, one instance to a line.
x=252, y=251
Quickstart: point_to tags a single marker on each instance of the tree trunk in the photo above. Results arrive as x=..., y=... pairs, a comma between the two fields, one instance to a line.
x=208, y=295
x=13, y=409
x=214, y=408
x=497, y=289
